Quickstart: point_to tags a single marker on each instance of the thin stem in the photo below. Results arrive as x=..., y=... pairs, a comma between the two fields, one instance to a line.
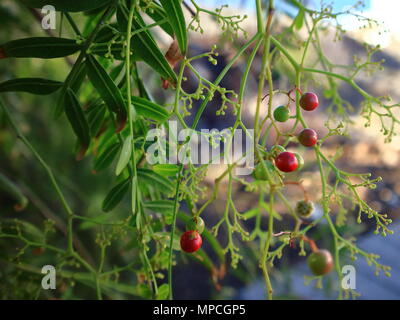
x=220, y=77
x=128, y=84
x=49, y=172
x=330, y=223
x=265, y=251
x=259, y=16
x=172, y=234
x=73, y=24
x=178, y=183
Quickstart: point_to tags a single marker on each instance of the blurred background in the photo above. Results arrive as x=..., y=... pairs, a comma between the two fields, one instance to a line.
x=363, y=150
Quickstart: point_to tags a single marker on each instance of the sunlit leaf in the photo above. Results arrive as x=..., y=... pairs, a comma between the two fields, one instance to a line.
x=155, y=180
x=149, y=109
x=176, y=18
x=124, y=156
x=167, y=170
x=162, y=206
x=299, y=20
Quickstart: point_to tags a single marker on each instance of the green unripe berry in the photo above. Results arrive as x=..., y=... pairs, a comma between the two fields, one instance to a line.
x=281, y=114
x=320, y=262
x=196, y=224
x=277, y=149
x=300, y=161
x=304, y=208
x=259, y=172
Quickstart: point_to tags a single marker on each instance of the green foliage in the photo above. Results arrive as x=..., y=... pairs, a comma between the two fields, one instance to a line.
x=32, y=85
x=77, y=119
x=107, y=89
x=40, y=47
x=149, y=110
x=115, y=195
x=110, y=107
x=66, y=5
x=176, y=18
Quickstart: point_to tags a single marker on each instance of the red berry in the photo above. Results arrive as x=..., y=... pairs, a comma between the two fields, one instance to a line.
x=308, y=137
x=309, y=101
x=286, y=162
x=38, y=251
x=191, y=241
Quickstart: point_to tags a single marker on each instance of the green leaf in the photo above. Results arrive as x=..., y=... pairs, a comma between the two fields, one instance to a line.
x=32, y=85
x=94, y=222
x=163, y=292
x=165, y=207
x=107, y=89
x=104, y=84
x=144, y=45
x=299, y=20
x=74, y=81
x=134, y=194
x=107, y=138
x=149, y=109
x=77, y=119
x=162, y=206
x=106, y=157
x=124, y=156
x=105, y=34
x=176, y=18
x=115, y=196
x=145, y=48
x=40, y=47
x=157, y=13
x=95, y=114
x=68, y=5
x=117, y=71
x=166, y=170
x=140, y=85
x=79, y=77
x=122, y=18
x=155, y=180
x=10, y=188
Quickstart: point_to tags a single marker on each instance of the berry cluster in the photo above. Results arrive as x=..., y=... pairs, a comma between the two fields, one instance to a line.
x=287, y=161
x=320, y=262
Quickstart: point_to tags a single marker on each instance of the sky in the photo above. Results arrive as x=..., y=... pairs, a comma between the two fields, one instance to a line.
x=337, y=4
x=384, y=11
